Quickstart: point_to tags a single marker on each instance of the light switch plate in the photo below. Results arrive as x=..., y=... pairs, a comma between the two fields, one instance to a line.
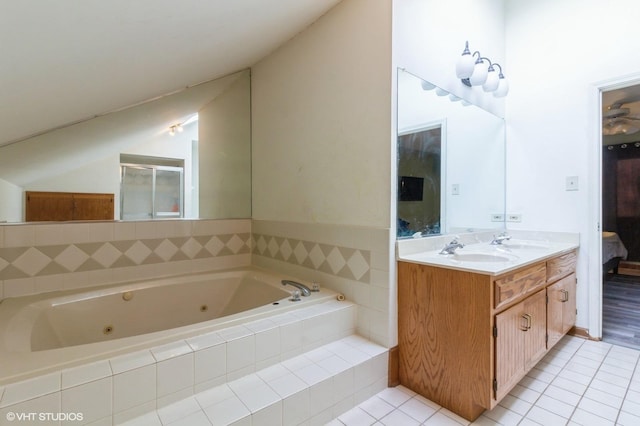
x=455, y=189
x=572, y=183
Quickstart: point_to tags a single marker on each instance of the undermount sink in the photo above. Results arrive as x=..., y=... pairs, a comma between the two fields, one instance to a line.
x=525, y=246
x=479, y=257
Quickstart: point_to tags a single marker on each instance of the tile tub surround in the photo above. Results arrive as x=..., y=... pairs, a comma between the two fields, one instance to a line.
x=37, y=258
x=352, y=260
x=130, y=385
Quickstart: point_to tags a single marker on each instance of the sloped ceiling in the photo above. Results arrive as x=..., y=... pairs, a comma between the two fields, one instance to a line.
x=64, y=62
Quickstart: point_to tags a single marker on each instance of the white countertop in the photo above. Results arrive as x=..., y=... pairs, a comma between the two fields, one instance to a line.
x=524, y=248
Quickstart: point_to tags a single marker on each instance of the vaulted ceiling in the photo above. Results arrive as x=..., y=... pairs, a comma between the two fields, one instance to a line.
x=64, y=62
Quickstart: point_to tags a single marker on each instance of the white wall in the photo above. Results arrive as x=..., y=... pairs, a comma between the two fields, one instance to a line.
x=321, y=121
x=557, y=53
x=225, y=149
x=11, y=205
x=321, y=132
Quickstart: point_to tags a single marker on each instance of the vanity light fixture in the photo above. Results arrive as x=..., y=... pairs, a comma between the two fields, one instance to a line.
x=474, y=71
x=175, y=128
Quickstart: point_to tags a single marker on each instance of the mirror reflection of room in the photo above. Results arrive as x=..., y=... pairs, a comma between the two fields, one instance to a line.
x=199, y=134
x=451, y=162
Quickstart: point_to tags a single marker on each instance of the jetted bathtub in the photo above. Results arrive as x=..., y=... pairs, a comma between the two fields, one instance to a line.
x=50, y=331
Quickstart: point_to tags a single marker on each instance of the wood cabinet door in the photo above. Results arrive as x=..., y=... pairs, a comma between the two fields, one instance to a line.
x=554, y=314
x=561, y=308
x=520, y=341
x=535, y=345
x=569, y=311
x=93, y=207
x=509, y=353
x=48, y=206
x=63, y=206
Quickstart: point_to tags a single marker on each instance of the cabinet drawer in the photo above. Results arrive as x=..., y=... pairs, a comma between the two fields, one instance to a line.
x=561, y=266
x=511, y=286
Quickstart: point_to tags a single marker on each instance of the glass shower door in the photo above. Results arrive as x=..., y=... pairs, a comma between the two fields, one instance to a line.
x=151, y=192
x=136, y=193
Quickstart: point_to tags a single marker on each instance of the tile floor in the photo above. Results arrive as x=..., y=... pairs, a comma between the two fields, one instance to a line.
x=579, y=382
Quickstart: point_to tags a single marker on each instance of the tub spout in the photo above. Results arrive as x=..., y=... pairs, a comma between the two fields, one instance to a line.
x=303, y=288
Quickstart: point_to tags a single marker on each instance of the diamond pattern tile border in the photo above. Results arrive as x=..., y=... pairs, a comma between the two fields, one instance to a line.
x=350, y=263
x=24, y=262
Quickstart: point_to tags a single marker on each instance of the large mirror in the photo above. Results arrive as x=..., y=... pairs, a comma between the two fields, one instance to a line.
x=203, y=132
x=451, y=162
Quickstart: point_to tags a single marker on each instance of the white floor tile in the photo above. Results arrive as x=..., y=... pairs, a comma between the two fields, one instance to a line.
x=562, y=395
x=417, y=409
x=556, y=407
x=516, y=405
x=586, y=418
x=395, y=396
x=357, y=417
x=626, y=419
x=503, y=416
x=398, y=418
x=598, y=408
x=440, y=419
x=377, y=407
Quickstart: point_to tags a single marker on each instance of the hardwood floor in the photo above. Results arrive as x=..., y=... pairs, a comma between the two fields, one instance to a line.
x=621, y=310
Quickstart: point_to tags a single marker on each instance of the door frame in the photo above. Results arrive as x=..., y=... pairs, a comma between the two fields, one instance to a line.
x=594, y=234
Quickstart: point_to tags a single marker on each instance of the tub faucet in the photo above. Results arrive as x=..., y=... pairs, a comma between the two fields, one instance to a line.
x=451, y=247
x=306, y=291
x=503, y=236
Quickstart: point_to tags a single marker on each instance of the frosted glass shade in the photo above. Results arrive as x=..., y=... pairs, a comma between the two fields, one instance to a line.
x=464, y=66
x=503, y=88
x=492, y=81
x=479, y=76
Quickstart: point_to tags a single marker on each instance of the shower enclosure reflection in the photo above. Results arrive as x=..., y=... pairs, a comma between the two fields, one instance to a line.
x=451, y=162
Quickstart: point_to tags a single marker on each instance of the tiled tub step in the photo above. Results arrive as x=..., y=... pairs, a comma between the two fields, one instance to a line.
x=315, y=339
x=309, y=389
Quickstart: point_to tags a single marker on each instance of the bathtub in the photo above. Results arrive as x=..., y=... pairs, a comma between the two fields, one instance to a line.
x=52, y=331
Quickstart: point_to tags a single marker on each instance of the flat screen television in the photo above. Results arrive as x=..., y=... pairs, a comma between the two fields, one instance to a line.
x=410, y=188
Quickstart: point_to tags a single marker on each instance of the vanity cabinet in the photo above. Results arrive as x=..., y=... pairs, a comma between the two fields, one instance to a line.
x=465, y=339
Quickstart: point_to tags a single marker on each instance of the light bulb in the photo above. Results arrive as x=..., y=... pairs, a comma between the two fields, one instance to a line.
x=427, y=86
x=179, y=128
x=441, y=92
x=492, y=81
x=503, y=88
x=464, y=66
x=172, y=130
x=480, y=71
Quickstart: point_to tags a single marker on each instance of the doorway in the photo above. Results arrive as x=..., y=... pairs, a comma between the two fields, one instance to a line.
x=620, y=207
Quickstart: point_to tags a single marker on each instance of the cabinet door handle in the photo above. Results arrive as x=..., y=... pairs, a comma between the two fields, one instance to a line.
x=565, y=296
x=527, y=322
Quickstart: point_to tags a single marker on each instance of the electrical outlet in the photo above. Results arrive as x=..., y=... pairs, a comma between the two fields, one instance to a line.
x=498, y=217
x=572, y=183
x=513, y=217
x=455, y=189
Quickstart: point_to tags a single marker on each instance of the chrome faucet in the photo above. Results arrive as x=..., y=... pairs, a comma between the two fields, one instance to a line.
x=503, y=236
x=306, y=291
x=451, y=247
